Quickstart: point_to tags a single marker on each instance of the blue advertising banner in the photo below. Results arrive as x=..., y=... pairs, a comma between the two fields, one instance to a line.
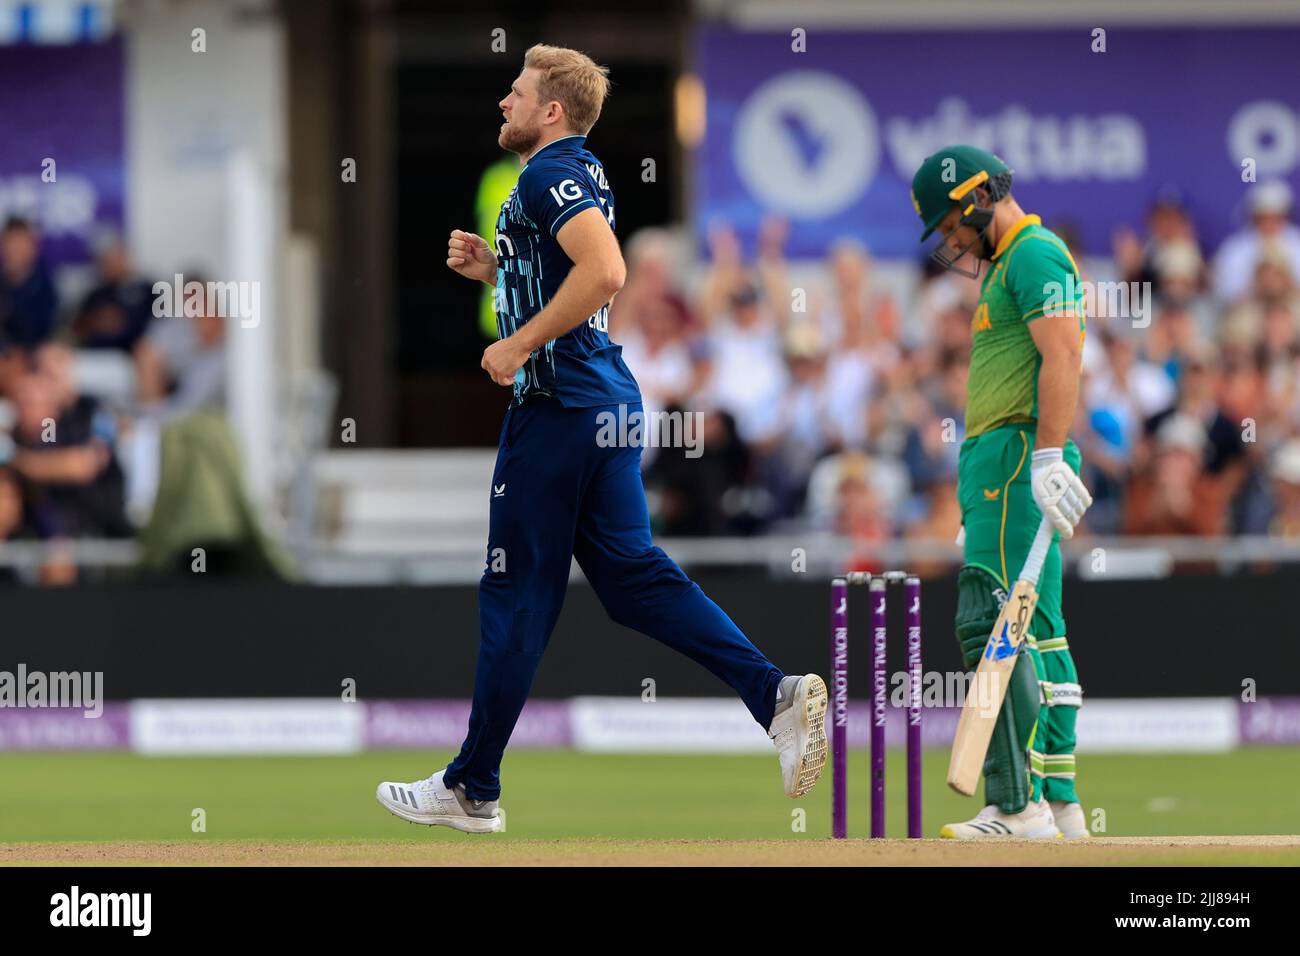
x=61, y=150
x=830, y=137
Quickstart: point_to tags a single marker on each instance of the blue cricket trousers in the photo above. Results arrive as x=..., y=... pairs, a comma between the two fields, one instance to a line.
x=557, y=495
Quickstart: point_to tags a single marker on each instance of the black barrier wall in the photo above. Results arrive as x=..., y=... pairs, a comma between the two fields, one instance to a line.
x=1178, y=637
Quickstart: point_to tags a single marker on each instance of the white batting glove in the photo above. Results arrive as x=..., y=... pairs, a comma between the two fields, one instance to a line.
x=1057, y=489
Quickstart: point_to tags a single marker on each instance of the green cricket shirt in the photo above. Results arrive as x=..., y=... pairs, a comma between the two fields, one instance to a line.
x=1032, y=274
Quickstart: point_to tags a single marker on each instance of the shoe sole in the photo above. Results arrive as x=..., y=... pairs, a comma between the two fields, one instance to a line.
x=463, y=824
x=948, y=833
x=811, y=699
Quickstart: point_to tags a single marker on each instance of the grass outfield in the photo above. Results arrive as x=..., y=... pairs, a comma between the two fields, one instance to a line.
x=594, y=804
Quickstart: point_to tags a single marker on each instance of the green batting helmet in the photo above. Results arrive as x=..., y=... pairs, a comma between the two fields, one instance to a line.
x=946, y=178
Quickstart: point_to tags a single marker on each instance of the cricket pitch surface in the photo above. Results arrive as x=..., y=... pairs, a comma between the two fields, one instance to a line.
x=491, y=850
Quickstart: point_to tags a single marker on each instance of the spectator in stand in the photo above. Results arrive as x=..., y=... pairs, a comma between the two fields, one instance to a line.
x=857, y=322
x=1174, y=494
x=896, y=407
x=744, y=315
x=1279, y=344
x=1132, y=390
x=931, y=453
x=64, y=446
x=952, y=334
x=1173, y=338
x=1270, y=233
x=83, y=421
x=651, y=267
x=806, y=429
x=1282, y=361
x=1224, y=453
x=704, y=495
x=1197, y=399
x=1245, y=397
x=1261, y=415
x=43, y=459
x=652, y=323
x=728, y=276
x=13, y=515
x=941, y=292
x=861, y=514
x=940, y=523
x=28, y=302
x=1118, y=396
x=1273, y=286
x=14, y=364
x=747, y=377
x=658, y=352
x=1168, y=225
x=934, y=443
x=725, y=274
x=118, y=311
x=18, y=524
x=859, y=309
x=1107, y=447
x=1179, y=284
x=1285, y=474
x=181, y=363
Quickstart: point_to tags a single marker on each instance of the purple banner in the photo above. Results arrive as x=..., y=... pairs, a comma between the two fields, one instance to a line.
x=831, y=137
x=1271, y=721
x=412, y=724
x=419, y=724
x=63, y=104
x=64, y=728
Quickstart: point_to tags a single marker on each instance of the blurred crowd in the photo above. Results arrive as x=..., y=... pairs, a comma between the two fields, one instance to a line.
x=833, y=401
x=830, y=394
x=86, y=384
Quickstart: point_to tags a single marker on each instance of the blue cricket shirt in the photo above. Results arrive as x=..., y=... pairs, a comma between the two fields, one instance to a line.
x=581, y=368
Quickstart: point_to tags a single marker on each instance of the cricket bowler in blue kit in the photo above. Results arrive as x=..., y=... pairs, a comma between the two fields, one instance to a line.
x=558, y=491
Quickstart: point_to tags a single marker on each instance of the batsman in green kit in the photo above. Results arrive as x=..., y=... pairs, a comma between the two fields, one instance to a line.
x=1017, y=466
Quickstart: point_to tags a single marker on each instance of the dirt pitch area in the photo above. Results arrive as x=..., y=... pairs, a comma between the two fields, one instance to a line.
x=487, y=851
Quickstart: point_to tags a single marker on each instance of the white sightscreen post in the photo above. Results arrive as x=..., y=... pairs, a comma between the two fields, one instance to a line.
x=251, y=341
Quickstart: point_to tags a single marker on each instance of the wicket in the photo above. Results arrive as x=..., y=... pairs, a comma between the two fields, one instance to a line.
x=877, y=586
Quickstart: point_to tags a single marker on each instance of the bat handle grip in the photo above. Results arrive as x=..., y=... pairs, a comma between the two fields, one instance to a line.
x=1038, y=553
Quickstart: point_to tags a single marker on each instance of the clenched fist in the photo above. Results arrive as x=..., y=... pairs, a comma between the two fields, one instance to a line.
x=504, y=358
x=471, y=256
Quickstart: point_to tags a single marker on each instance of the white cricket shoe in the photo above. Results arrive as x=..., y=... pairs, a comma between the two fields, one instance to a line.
x=430, y=803
x=1034, y=822
x=1070, y=821
x=798, y=730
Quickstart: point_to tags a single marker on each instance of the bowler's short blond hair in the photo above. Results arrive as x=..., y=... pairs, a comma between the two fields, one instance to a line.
x=577, y=81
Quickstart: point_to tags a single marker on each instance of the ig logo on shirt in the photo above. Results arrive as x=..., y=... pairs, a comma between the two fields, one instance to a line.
x=567, y=191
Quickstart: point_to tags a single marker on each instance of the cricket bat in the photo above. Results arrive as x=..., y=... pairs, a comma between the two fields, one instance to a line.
x=979, y=712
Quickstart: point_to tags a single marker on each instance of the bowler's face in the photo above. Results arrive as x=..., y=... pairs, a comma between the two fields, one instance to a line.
x=522, y=111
